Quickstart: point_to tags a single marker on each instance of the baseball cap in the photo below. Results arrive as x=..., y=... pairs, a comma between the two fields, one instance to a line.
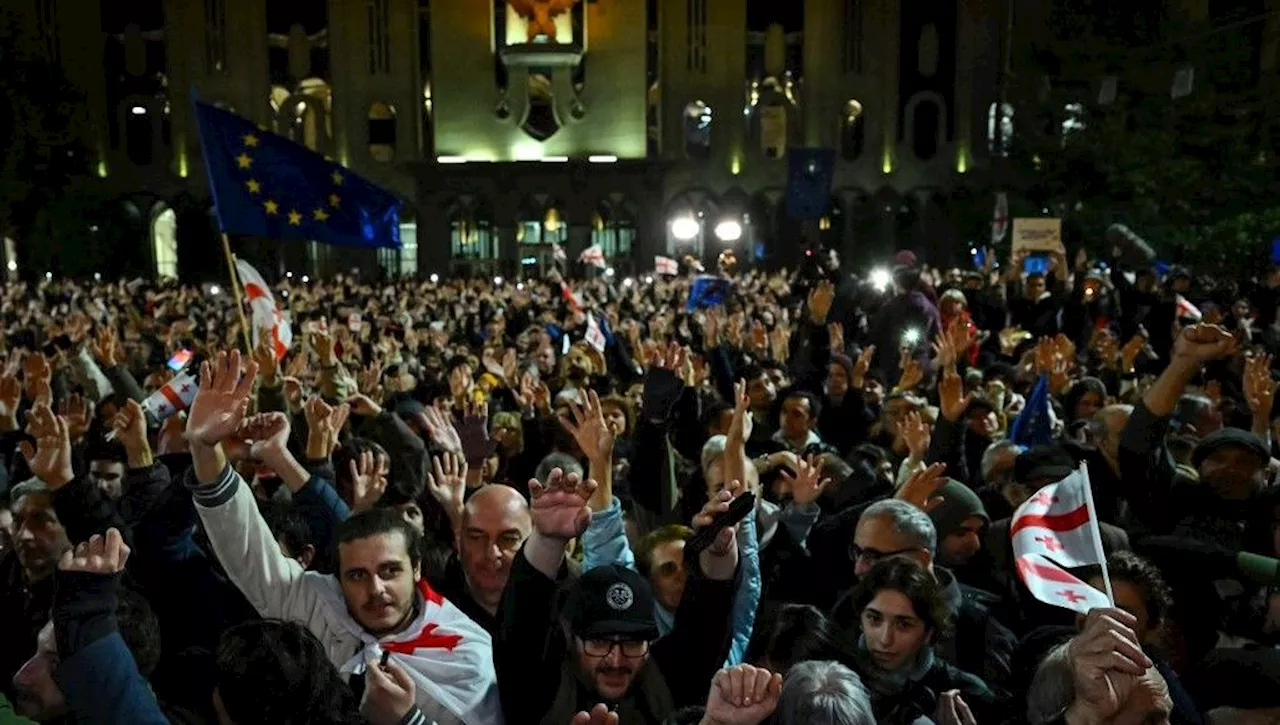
x=1230, y=437
x=611, y=601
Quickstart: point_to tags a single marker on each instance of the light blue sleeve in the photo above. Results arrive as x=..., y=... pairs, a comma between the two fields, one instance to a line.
x=605, y=540
x=799, y=520
x=747, y=597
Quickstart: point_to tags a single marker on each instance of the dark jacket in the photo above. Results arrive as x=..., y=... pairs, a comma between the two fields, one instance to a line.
x=918, y=697
x=533, y=659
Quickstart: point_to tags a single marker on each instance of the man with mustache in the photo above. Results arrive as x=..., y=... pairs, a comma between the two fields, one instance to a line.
x=599, y=646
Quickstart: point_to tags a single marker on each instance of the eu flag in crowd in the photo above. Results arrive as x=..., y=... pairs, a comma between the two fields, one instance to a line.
x=1034, y=425
x=809, y=175
x=265, y=185
x=707, y=291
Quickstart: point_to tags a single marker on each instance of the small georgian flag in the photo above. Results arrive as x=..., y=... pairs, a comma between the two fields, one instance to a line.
x=171, y=398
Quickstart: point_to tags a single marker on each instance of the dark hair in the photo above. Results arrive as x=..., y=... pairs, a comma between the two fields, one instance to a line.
x=458, y=361
x=788, y=633
x=656, y=538
x=287, y=524
x=104, y=450
x=377, y=522
x=711, y=412
x=139, y=629
x=272, y=672
x=751, y=372
x=1127, y=566
x=815, y=407
x=914, y=582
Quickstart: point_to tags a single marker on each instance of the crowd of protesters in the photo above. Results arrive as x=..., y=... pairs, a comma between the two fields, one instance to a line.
x=750, y=497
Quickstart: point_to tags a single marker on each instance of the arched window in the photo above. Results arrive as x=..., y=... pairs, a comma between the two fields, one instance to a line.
x=697, y=130
x=382, y=131
x=852, y=131
x=926, y=121
x=164, y=243
x=1000, y=128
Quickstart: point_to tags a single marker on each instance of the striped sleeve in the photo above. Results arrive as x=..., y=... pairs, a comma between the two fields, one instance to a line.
x=216, y=492
x=414, y=717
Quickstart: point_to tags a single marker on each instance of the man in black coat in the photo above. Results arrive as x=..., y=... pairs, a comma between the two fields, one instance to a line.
x=560, y=652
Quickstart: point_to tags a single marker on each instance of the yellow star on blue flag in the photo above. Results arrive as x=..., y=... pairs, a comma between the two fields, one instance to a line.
x=265, y=185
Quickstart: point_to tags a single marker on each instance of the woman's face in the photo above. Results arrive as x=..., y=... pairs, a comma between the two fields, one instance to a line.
x=837, y=380
x=1089, y=403
x=895, y=634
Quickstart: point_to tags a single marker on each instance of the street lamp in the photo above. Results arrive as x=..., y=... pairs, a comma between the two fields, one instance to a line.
x=685, y=228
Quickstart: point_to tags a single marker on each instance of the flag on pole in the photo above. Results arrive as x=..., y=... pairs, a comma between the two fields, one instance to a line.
x=665, y=265
x=557, y=252
x=1000, y=218
x=1188, y=311
x=595, y=336
x=575, y=302
x=594, y=256
x=265, y=185
x=171, y=398
x=266, y=316
x=1056, y=528
x=1034, y=425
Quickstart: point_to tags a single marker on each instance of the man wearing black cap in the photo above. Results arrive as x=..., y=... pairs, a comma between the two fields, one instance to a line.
x=564, y=647
x=1230, y=505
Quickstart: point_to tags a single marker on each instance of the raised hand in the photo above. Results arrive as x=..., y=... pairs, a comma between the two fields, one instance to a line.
x=292, y=391
x=1203, y=343
x=588, y=428
x=742, y=695
x=921, y=488
x=389, y=693
x=711, y=329
x=368, y=482
x=1259, y=389
x=10, y=401
x=720, y=560
x=1106, y=662
x=780, y=340
x=77, y=411
x=268, y=433
x=952, y=710
x=36, y=373
x=808, y=484
x=104, y=345
x=442, y=431
x=104, y=555
x=1010, y=339
x=819, y=303
x=916, y=434
x=559, y=508
x=264, y=354
x=861, y=367
x=448, y=484
x=50, y=458
x=742, y=426
x=220, y=406
x=599, y=715
x=1129, y=353
x=322, y=343
x=912, y=373
x=130, y=426
x=323, y=424
x=835, y=332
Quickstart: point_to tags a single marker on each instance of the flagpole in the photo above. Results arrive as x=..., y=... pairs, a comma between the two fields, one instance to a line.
x=235, y=288
x=1095, y=531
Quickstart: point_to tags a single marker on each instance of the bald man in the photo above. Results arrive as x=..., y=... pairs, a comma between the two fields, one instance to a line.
x=495, y=523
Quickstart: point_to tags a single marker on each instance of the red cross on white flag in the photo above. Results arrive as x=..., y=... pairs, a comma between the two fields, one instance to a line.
x=172, y=397
x=265, y=313
x=1057, y=522
x=1056, y=528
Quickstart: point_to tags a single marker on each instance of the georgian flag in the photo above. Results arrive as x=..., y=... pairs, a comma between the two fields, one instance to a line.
x=594, y=256
x=595, y=336
x=171, y=398
x=1188, y=311
x=265, y=313
x=1056, y=528
x=665, y=265
x=1000, y=218
x=575, y=302
x=557, y=252
x=448, y=656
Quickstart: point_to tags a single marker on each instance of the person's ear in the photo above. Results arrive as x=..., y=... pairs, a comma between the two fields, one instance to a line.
x=306, y=556
x=417, y=572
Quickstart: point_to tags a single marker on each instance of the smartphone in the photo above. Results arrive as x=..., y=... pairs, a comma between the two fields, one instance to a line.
x=180, y=360
x=706, y=536
x=1035, y=264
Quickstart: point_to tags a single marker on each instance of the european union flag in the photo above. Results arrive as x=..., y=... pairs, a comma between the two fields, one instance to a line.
x=809, y=176
x=1034, y=425
x=268, y=186
x=707, y=291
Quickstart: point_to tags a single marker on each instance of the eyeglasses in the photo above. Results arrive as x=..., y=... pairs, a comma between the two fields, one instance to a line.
x=631, y=649
x=873, y=556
